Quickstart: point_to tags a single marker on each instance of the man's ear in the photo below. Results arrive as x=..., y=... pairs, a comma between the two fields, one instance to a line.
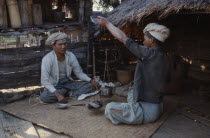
x=151, y=39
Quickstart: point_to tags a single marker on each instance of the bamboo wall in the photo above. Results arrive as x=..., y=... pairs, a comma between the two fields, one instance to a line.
x=25, y=13
x=20, y=67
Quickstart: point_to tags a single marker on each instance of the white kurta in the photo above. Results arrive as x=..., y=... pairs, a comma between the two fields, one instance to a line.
x=50, y=70
x=62, y=69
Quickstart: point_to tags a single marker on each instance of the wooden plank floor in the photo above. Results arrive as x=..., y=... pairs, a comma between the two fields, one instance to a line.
x=46, y=133
x=191, y=123
x=13, y=127
x=180, y=126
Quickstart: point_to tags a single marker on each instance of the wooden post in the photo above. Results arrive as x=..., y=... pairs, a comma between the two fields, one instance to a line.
x=2, y=2
x=37, y=14
x=23, y=6
x=60, y=4
x=3, y=15
x=14, y=13
x=71, y=8
x=29, y=41
x=17, y=41
x=82, y=17
x=30, y=15
x=59, y=16
x=88, y=11
x=81, y=12
x=47, y=12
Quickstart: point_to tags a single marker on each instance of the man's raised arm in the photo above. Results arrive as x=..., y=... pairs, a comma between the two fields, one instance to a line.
x=116, y=32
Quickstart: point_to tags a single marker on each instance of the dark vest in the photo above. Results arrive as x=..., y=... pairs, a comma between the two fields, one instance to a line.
x=151, y=72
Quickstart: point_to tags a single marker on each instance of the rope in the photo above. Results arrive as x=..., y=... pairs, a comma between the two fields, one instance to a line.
x=35, y=98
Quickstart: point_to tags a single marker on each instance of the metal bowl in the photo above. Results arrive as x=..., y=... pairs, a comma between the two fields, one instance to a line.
x=95, y=105
x=62, y=106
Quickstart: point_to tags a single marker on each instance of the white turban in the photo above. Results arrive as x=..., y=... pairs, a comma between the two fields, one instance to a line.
x=54, y=37
x=159, y=32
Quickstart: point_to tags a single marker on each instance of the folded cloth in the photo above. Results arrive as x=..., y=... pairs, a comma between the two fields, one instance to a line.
x=83, y=96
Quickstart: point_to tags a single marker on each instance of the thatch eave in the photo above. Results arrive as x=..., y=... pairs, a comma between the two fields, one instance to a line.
x=134, y=11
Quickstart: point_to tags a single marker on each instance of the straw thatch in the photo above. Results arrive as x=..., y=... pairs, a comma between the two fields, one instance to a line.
x=133, y=11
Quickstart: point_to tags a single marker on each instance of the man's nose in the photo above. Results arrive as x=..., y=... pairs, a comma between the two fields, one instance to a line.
x=63, y=46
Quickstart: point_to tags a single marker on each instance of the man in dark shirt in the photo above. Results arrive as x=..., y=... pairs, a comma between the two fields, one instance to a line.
x=145, y=100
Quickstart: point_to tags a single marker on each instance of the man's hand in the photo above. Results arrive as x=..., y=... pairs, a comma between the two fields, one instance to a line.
x=95, y=84
x=102, y=21
x=61, y=98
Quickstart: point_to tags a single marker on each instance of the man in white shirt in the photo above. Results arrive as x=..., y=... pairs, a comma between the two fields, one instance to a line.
x=56, y=70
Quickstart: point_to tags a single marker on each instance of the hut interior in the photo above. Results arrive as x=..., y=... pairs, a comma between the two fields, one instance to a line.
x=187, y=46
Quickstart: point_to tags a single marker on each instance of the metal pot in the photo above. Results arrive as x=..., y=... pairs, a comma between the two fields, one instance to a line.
x=124, y=76
x=106, y=92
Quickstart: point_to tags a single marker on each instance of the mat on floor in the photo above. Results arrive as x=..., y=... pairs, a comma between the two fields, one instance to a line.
x=78, y=121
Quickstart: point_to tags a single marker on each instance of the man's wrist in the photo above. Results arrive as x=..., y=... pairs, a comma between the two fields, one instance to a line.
x=107, y=24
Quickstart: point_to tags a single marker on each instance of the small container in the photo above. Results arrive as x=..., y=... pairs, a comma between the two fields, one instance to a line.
x=124, y=76
x=95, y=105
x=62, y=106
x=106, y=92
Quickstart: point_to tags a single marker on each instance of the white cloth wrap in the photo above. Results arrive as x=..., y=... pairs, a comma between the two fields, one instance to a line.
x=159, y=32
x=54, y=37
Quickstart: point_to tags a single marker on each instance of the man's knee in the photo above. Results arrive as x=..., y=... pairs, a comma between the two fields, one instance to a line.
x=47, y=98
x=43, y=98
x=108, y=108
x=91, y=86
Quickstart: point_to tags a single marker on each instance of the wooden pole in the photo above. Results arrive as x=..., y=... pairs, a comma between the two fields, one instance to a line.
x=30, y=14
x=81, y=16
x=17, y=41
x=3, y=15
x=23, y=6
x=14, y=13
x=47, y=12
x=94, y=62
x=37, y=14
x=60, y=4
x=88, y=11
x=81, y=12
x=2, y=2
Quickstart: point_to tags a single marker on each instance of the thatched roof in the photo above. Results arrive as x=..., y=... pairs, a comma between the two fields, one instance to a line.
x=133, y=11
